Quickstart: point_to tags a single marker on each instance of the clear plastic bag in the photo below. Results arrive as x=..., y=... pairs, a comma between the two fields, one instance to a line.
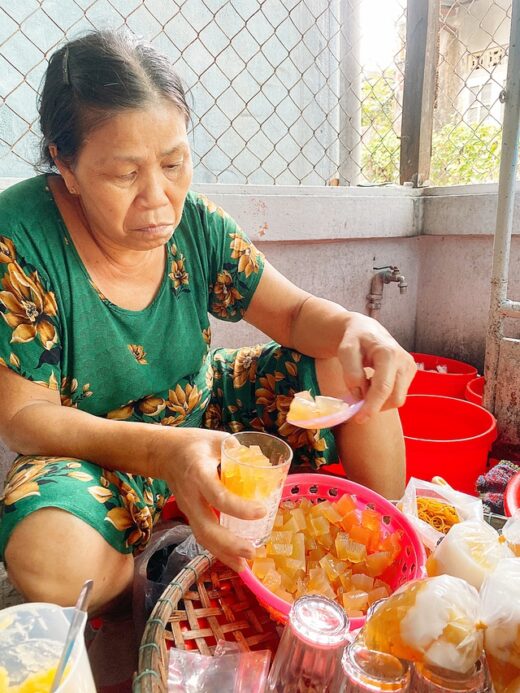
x=240, y=672
x=467, y=507
x=433, y=620
x=169, y=550
x=511, y=532
x=471, y=550
x=500, y=613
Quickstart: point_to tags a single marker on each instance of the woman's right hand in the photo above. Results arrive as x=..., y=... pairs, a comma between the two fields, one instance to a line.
x=190, y=469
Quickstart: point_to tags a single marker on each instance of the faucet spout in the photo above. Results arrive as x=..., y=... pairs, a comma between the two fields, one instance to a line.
x=384, y=275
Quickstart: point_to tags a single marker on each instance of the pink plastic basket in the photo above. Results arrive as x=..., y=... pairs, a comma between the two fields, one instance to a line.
x=410, y=563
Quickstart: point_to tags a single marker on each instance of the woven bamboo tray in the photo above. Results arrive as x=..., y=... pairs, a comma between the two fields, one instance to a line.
x=205, y=603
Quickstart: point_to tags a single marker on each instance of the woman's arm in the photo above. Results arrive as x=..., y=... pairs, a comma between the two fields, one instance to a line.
x=323, y=329
x=33, y=422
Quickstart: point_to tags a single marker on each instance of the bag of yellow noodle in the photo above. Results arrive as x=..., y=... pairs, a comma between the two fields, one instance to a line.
x=434, y=509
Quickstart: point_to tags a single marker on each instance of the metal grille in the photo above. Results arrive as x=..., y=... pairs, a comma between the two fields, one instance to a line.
x=284, y=91
x=473, y=46
x=279, y=90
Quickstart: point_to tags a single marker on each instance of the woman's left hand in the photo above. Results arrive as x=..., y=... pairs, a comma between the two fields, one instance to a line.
x=366, y=344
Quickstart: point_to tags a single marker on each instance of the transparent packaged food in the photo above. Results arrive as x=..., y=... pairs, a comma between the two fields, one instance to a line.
x=433, y=620
x=471, y=550
x=500, y=612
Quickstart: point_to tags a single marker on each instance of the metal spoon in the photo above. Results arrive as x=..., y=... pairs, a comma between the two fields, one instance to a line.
x=70, y=640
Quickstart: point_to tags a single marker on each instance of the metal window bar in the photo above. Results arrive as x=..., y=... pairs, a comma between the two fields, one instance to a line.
x=501, y=306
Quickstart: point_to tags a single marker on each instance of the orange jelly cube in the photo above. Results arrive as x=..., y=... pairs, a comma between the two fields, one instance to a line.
x=363, y=582
x=345, y=504
x=378, y=593
x=360, y=534
x=377, y=563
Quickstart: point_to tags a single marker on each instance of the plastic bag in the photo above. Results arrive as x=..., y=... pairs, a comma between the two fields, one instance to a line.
x=467, y=507
x=241, y=672
x=433, y=620
x=471, y=550
x=151, y=573
x=500, y=612
x=511, y=532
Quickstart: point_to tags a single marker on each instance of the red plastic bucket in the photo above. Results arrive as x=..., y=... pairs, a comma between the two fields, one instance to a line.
x=475, y=390
x=431, y=382
x=447, y=437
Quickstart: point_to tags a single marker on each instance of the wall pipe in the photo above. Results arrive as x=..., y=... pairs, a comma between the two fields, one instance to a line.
x=500, y=306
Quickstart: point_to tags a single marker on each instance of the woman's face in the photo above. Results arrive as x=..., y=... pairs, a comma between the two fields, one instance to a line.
x=132, y=174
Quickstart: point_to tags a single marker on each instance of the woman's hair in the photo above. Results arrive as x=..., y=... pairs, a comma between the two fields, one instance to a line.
x=91, y=79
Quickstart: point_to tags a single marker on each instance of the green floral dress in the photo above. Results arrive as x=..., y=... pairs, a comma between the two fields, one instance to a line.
x=153, y=365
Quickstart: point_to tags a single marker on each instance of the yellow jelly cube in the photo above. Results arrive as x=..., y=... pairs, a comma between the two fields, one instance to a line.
x=298, y=548
x=356, y=599
x=261, y=566
x=272, y=579
x=278, y=520
x=349, y=550
x=320, y=525
x=278, y=549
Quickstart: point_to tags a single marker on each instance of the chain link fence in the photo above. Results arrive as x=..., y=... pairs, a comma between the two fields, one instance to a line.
x=467, y=125
x=283, y=91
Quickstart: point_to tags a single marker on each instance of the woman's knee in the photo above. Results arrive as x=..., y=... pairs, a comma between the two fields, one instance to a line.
x=51, y=553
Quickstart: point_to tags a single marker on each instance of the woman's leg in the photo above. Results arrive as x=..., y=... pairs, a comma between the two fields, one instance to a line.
x=373, y=453
x=51, y=553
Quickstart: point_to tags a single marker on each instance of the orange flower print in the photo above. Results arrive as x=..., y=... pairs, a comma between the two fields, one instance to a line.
x=178, y=274
x=244, y=368
x=29, y=307
x=206, y=335
x=52, y=383
x=213, y=417
x=70, y=395
x=133, y=515
x=149, y=406
x=24, y=477
x=138, y=353
x=246, y=254
x=181, y=403
x=212, y=207
x=7, y=250
x=225, y=295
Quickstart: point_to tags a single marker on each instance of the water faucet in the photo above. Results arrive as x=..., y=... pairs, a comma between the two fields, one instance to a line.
x=384, y=275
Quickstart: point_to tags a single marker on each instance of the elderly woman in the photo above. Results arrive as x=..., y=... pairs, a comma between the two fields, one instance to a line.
x=109, y=266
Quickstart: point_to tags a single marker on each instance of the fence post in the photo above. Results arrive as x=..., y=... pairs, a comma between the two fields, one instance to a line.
x=349, y=93
x=420, y=73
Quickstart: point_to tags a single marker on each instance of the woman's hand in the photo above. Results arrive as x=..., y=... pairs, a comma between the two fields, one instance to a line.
x=366, y=344
x=193, y=479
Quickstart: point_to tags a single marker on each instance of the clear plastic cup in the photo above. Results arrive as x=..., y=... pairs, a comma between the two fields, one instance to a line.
x=310, y=648
x=263, y=483
x=429, y=679
x=363, y=671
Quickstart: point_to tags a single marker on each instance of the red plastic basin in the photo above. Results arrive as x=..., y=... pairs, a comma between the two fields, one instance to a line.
x=430, y=382
x=447, y=437
x=475, y=390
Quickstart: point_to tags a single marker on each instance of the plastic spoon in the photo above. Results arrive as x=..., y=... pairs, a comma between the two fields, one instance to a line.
x=74, y=628
x=345, y=412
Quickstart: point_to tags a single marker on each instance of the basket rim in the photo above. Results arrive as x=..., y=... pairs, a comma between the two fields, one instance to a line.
x=148, y=679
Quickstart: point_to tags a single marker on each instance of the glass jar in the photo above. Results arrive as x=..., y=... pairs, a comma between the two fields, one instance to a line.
x=364, y=671
x=310, y=649
x=430, y=679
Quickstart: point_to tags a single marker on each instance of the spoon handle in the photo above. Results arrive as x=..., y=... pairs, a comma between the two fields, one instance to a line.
x=75, y=625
